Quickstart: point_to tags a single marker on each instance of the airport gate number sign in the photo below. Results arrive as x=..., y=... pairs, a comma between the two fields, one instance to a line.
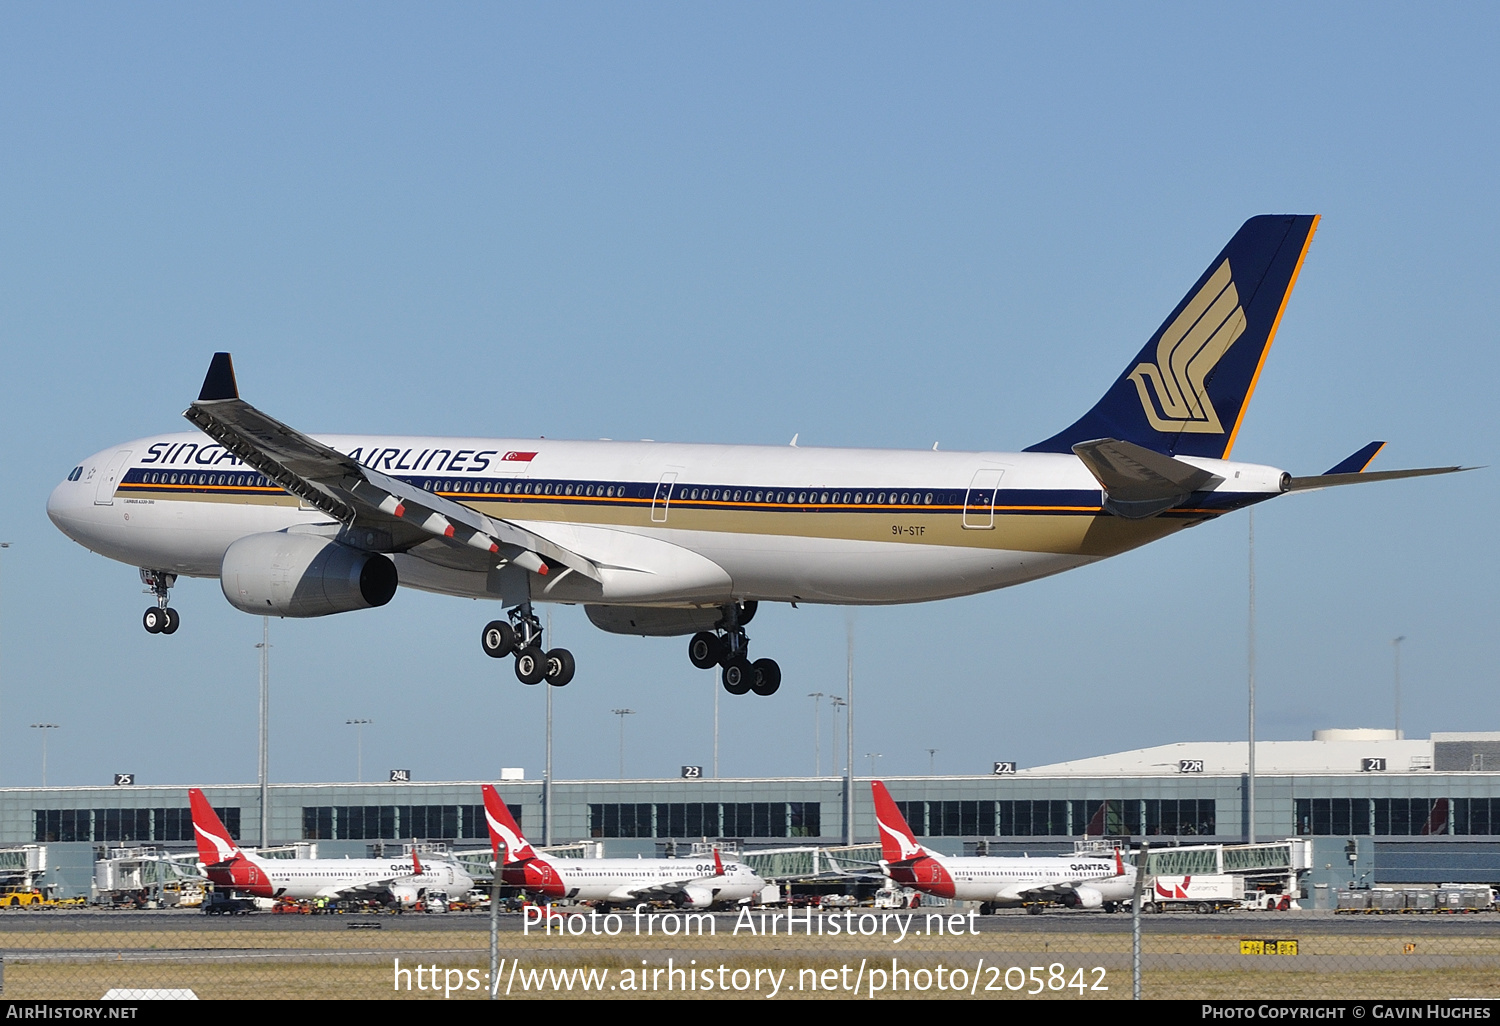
x=692, y=772
x=401, y=776
x=124, y=779
x=1372, y=765
x=1189, y=765
x=1004, y=769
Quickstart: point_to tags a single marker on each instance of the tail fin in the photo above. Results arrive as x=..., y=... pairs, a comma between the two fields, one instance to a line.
x=718, y=864
x=214, y=843
x=897, y=842
x=504, y=833
x=1186, y=392
x=416, y=860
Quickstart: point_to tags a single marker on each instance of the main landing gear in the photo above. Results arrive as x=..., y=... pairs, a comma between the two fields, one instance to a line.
x=522, y=637
x=728, y=647
x=160, y=618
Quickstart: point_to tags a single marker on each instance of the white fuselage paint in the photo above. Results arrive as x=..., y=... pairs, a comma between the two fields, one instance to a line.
x=622, y=881
x=334, y=878
x=668, y=553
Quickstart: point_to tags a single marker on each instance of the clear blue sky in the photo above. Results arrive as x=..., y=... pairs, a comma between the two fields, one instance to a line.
x=873, y=225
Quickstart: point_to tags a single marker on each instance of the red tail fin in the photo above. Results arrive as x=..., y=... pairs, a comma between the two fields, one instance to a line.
x=214, y=843
x=1119, y=863
x=897, y=842
x=504, y=833
x=416, y=862
x=718, y=865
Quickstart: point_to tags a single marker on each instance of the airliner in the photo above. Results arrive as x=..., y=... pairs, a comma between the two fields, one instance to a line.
x=666, y=539
x=1079, y=882
x=403, y=881
x=690, y=883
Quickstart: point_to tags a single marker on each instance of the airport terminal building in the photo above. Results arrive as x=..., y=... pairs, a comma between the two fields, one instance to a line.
x=1379, y=809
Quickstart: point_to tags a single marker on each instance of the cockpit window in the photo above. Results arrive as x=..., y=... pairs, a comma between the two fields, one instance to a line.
x=76, y=474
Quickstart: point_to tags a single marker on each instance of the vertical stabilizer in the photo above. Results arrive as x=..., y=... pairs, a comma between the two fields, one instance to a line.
x=214, y=843
x=1186, y=392
x=897, y=842
x=506, y=839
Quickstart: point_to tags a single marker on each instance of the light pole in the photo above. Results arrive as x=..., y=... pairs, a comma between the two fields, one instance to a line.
x=265, y=731
x=817, y=697
x=1250, y=681
x=872, y=756
x=44, y=727
x=4, y=545
x=1396, y=644
x=931, y=761
x=833, y=729
x=622, y=713
x=359, y=742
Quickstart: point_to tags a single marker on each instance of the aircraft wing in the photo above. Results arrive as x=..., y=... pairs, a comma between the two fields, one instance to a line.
x=394, y=516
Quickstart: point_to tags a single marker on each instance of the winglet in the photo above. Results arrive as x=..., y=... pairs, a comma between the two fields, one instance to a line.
x=504, y=833
x=219, y=383
x=1356, y=463
x=214, y=843
x=897, y=842
x=718, y=865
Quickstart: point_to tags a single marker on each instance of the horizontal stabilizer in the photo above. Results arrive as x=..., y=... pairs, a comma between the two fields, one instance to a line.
x=1302, y=484
x=1139, y=482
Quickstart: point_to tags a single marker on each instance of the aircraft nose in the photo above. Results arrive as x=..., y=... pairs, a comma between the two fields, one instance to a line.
x=65, y=504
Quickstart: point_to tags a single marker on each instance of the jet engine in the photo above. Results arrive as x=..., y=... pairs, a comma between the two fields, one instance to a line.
x=1085, y=897
x=281, y=574
x=406, y=896
x=696, y=896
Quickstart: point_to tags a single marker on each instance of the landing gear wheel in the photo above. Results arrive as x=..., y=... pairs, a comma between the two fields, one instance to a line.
x=767, y=677
x=173, y=621
x=738, y=675
x=747, y=611
x=705, y=650
x=531, y=665
x=560, y=667
x=1034, y=909
x=154, y=620
x=498, y=639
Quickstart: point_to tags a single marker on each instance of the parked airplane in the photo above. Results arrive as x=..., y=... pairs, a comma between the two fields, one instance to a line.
x=403, y=881
x=692, y=883
x=669, y=539
x=1082, y=881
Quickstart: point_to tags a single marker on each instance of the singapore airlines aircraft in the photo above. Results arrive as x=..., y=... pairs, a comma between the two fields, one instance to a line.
x=670, y=539
x=1080, y=882
x=692, y=883
x=403, y=881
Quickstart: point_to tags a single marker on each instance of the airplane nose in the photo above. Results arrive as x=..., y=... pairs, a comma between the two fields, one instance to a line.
x=64, y=505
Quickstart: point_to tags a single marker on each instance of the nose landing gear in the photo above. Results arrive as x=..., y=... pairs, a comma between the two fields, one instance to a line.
x=522, y=637
x=728, y=647
x=161, y=618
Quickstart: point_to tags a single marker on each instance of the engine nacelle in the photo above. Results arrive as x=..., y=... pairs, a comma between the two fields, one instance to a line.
x=1086, y=897
x=281, y=574
x=696, y=896
x=653, y=622
x=405, y=896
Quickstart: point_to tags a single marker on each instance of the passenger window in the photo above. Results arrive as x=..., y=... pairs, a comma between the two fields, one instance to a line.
x=928, y=499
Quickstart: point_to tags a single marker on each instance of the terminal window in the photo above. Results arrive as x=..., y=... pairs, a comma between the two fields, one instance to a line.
x=159, y=825
x=1390, y=817
x=394, y=822
x=705, y=819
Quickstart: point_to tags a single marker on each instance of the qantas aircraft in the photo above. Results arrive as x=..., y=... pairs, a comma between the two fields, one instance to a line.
x=403, y=881
x=671, y=539
x=1081, y=882
x=691, y=883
